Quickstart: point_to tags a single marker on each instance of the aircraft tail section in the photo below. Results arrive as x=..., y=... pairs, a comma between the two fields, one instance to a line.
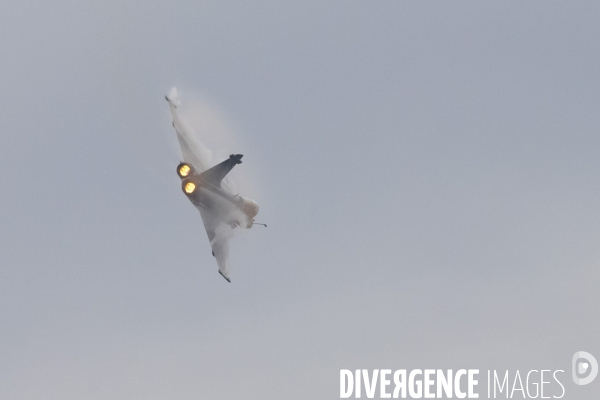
x=216, y=174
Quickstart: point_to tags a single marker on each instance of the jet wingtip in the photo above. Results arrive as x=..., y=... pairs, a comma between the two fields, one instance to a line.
x=226, y=278
x=170, y=101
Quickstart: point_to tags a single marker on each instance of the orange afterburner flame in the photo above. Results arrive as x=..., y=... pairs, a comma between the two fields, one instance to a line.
x=184, y=170
x=189, y=187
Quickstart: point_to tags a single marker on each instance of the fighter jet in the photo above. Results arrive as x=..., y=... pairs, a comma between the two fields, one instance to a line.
x=221, y=210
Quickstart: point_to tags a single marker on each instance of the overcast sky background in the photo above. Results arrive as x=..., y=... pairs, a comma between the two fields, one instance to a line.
x=428, y=171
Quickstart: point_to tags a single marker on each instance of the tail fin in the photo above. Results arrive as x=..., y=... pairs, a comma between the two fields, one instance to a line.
x=216, y=174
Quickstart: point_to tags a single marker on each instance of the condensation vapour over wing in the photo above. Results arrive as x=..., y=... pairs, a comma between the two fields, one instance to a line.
x=206, y=136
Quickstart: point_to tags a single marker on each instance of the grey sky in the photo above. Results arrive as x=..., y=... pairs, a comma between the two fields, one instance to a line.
x=428, y=171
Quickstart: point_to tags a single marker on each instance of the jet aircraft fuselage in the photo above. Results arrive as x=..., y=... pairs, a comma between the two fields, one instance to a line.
x=205, y=192
x=221, y=210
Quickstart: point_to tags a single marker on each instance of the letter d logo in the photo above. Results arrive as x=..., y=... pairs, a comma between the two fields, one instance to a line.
x=582, y=363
